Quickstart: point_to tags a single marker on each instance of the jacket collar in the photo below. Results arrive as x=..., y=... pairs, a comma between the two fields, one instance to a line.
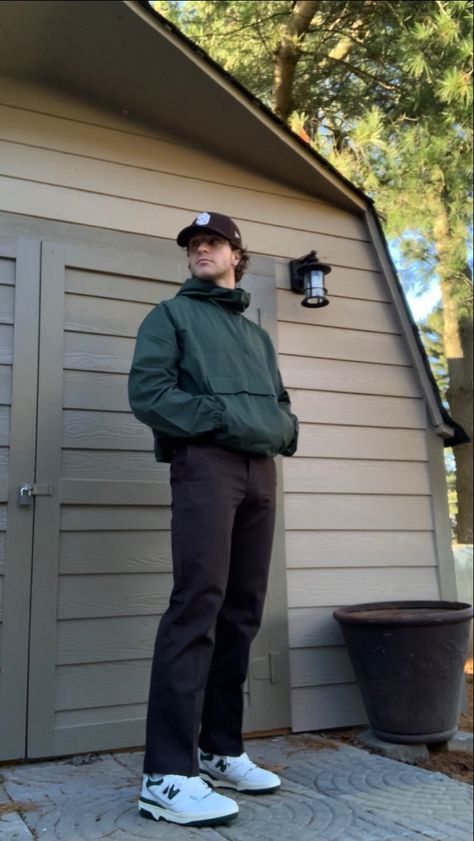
x=234, y=299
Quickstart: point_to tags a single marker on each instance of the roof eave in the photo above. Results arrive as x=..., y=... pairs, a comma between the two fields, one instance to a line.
x=339, y=190
x=258, y=108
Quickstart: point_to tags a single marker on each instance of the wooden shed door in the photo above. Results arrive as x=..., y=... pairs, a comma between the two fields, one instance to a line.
x=101, y=565
x=19, y=305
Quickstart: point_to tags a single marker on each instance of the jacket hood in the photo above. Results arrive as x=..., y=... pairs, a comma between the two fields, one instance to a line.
x=234, y=299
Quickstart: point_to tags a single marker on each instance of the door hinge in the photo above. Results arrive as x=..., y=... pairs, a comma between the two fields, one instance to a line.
x=268, y=667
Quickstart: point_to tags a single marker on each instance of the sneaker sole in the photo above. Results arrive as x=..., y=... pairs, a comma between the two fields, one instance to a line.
x=156, y=813
x=216, y=783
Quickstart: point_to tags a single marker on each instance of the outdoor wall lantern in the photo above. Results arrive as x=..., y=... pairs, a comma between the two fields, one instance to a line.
x=307, y=278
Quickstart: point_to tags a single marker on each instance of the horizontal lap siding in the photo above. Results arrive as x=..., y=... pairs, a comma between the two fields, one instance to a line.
x=358, y=510
x=109, y=552
x=112, y=595
x=337, y=475
x=127, y=178
x=151, y=185
x=328, y=587
x=357, y=548
x=357, y=496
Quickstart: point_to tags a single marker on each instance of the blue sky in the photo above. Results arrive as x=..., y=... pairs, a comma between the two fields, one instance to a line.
x=422, y=293
x=421, y=305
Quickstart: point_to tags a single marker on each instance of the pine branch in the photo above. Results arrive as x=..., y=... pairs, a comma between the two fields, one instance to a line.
x=363, y=74
x=231, y=32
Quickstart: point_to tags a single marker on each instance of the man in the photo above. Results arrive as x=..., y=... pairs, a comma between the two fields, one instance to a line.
x=206, y=380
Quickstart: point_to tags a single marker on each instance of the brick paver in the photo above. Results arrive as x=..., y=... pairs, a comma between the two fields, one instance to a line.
x=329, y=793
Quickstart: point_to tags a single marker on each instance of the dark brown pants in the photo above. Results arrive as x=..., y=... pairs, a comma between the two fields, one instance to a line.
x=222, y=532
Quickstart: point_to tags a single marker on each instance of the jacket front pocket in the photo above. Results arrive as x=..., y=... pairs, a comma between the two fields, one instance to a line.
x=240, y=384
x=252, y=421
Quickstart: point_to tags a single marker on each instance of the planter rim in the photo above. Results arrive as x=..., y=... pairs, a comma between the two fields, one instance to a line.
x=400, y=613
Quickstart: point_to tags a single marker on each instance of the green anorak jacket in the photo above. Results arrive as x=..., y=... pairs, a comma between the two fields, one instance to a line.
x=202, y=371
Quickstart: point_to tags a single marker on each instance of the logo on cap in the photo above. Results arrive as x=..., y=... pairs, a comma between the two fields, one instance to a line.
x=203, y=219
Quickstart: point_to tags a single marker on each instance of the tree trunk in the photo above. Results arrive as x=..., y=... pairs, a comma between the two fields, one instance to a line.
x=462, y=409
x=287, y=55
x=457, y=340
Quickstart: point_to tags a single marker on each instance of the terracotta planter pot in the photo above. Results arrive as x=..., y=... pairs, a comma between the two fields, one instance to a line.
x=408, y=658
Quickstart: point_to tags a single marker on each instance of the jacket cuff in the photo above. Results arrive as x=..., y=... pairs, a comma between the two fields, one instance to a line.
x=219, y=414
x=292, y=446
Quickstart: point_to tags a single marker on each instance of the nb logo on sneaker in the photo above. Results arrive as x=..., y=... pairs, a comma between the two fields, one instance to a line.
x=171, y=791
x=221, y=764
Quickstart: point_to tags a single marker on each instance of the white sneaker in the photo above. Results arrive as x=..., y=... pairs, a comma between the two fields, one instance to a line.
x=238, y=772
x=184, y=800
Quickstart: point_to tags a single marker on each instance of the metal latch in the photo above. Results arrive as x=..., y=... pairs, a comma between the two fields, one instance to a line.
x=26, y=492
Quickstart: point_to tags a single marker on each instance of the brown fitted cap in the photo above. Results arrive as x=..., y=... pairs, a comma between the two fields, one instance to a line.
x=214, y=222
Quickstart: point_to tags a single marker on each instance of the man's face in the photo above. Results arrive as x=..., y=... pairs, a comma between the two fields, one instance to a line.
x=211, y=257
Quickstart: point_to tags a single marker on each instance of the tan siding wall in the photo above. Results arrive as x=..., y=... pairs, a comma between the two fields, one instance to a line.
x=108, y=172
x=358, y=508
x=357, y=496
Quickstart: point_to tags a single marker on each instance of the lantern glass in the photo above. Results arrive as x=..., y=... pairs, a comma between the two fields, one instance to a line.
x=314, y=290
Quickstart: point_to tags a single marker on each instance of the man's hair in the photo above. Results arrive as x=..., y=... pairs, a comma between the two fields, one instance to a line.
x=243, y=264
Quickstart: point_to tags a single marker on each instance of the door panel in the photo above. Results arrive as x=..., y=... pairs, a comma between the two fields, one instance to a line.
x=19, y=293
x=91, y=699
x=102, y=559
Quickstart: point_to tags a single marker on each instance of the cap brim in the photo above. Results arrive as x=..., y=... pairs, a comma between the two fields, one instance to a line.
x=185, y=235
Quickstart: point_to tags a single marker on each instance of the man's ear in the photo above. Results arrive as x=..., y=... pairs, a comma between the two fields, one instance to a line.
x=237, y=256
